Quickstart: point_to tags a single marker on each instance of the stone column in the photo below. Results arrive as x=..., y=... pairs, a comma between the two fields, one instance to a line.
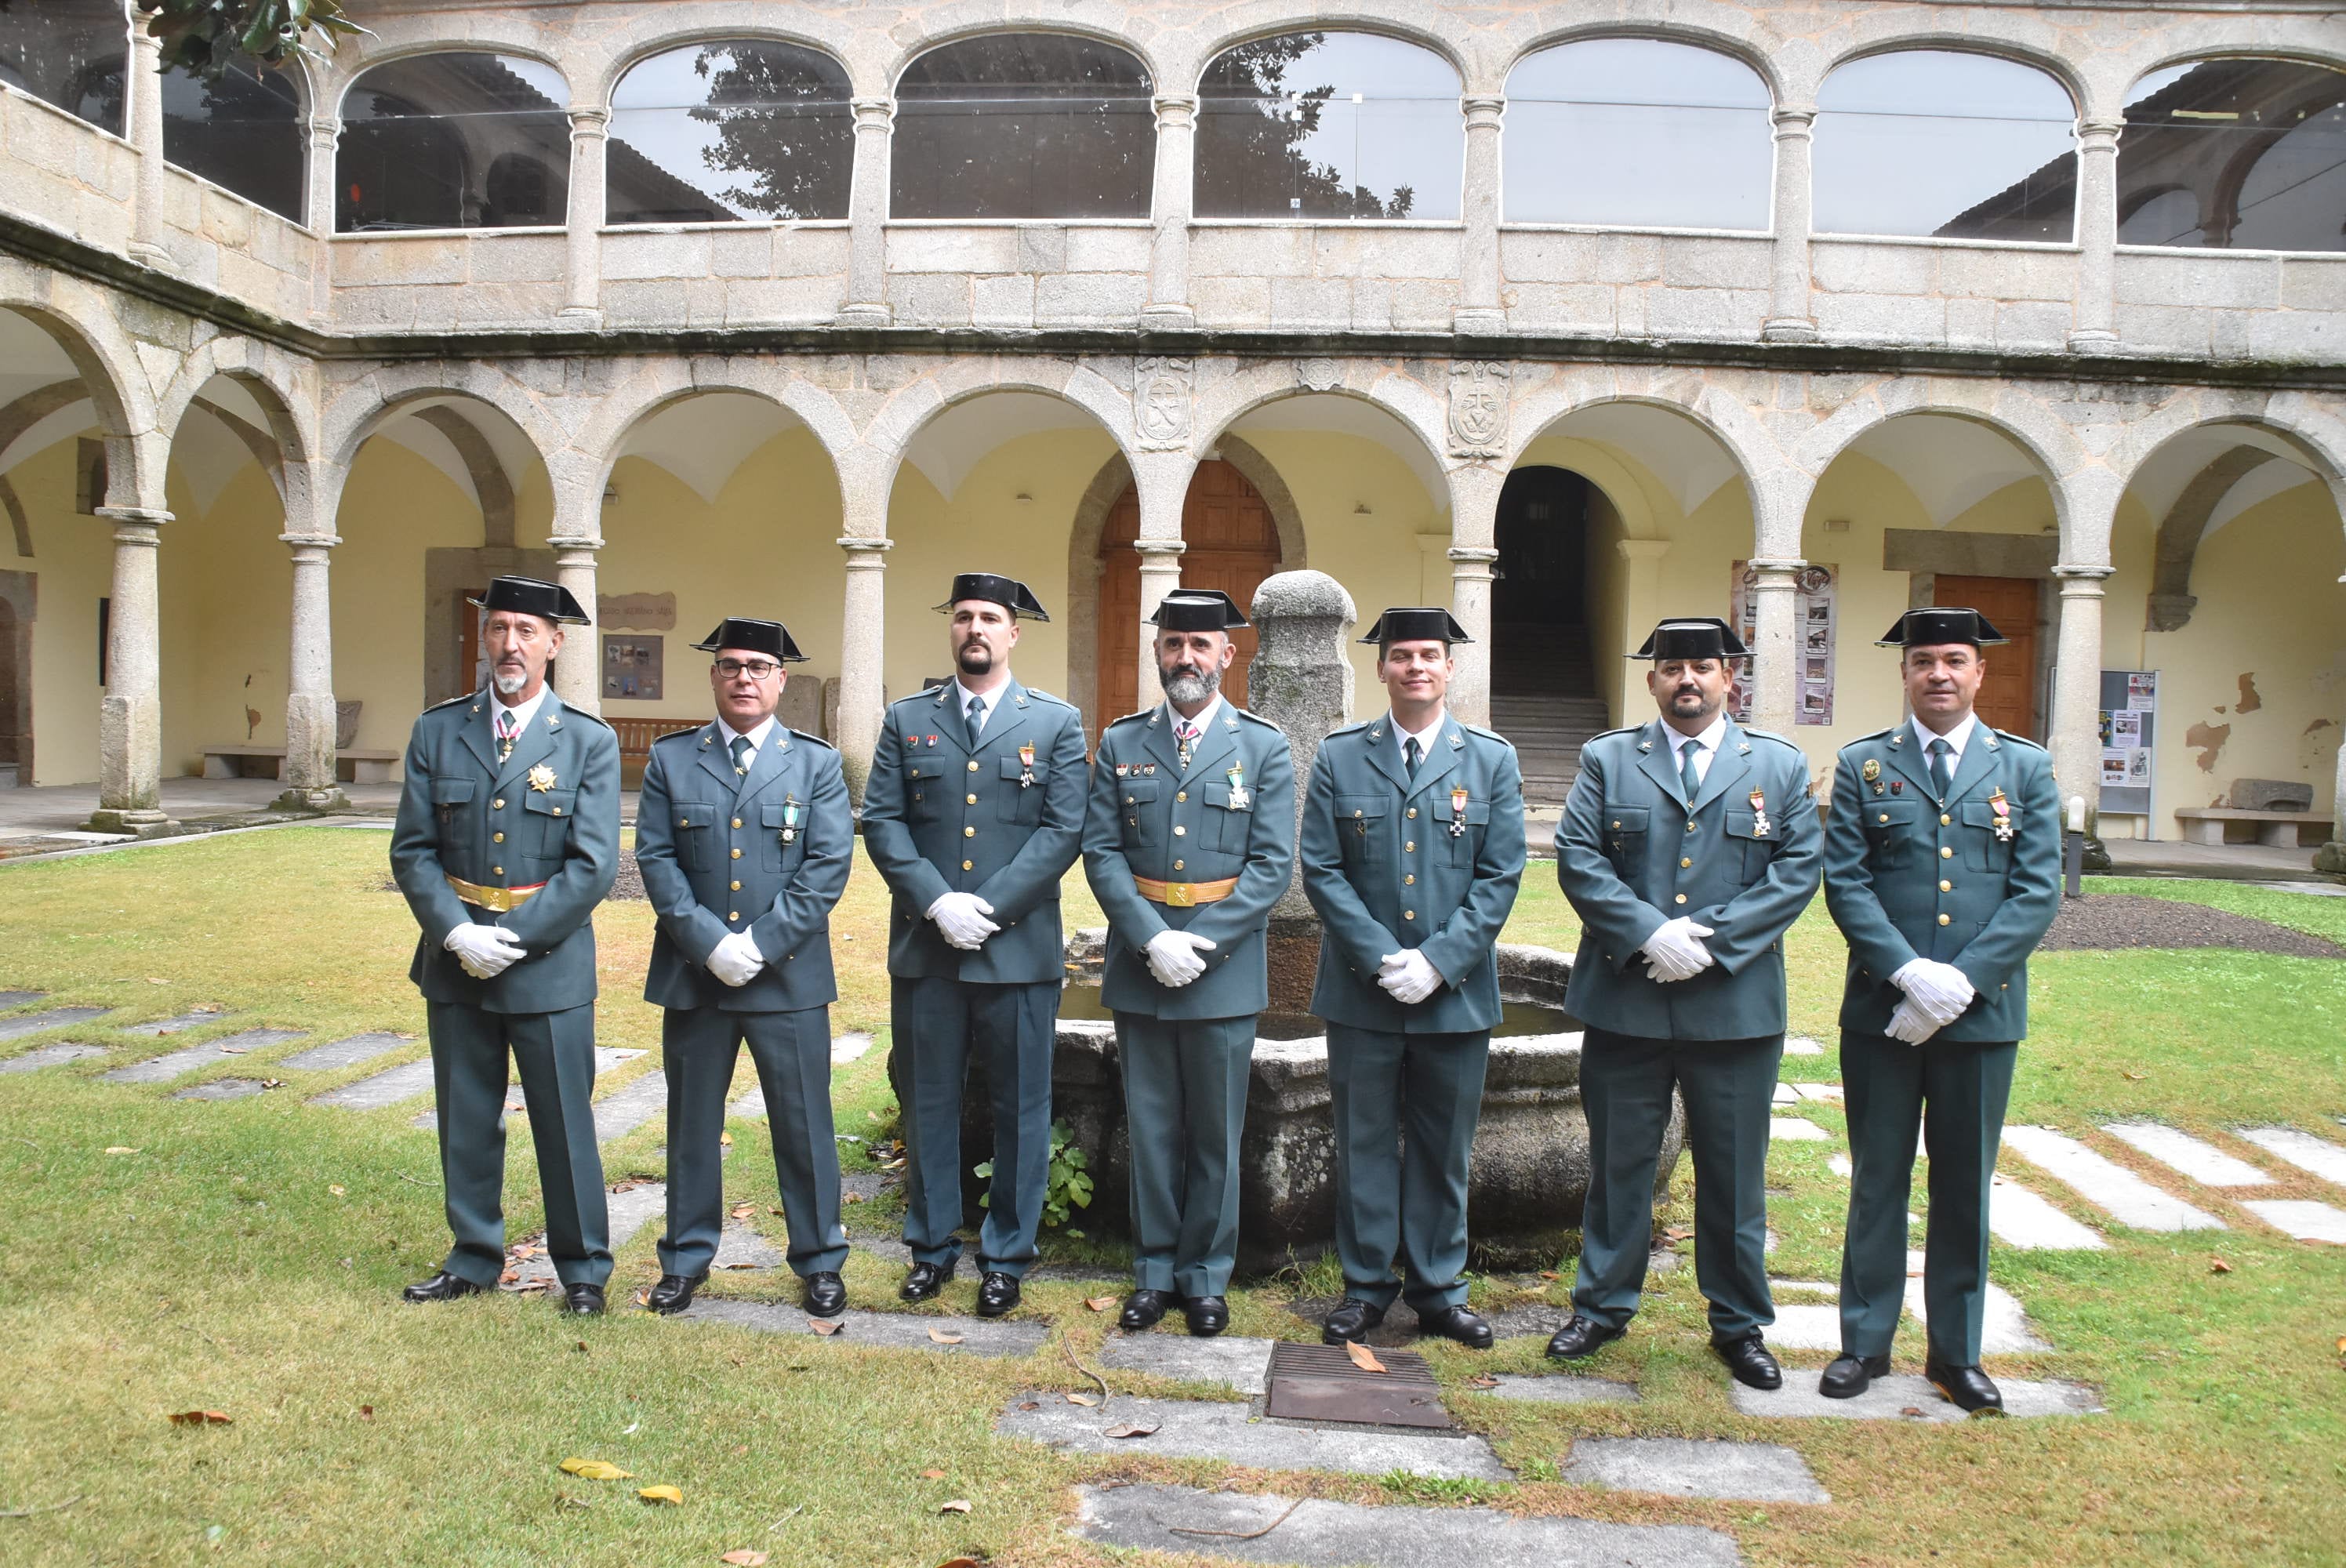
x=1470, y=600
x=1161, y=574
x=1776, y=647
x=2077, y=744
x=1172, y=204
x=325, y=132
x=145, y=116
x=1479, y=308
x=2331, y=856
x=582, y=300
x=867, y=221
x=311, y=720
x=1789, y=318
x=576, y=674
x=1302, y=680
x=862, y=695
x=131, y=716
x=2096, y=327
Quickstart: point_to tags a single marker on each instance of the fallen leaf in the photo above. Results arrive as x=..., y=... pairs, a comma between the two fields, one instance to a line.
x=366, y=1412
x=208, y=1007
x=2218, y=1266
x=339, y=1191
x=120, y=1150
x=958, y=1505
x=595, y=1470
x=157, y=980
x=725, y=1140
x=1482, y=1381
x=200, y=1419
x=2138, y=1077
x=667, y=1494
x=1550, y=1274
x=1082, y=1399
x=825, y=1326
x=1912, y=1410
x=1129, y=1429
x=961, y=1563
x=933, y=1476
x=780, y=1213
x=745, y=1211
x=1030, y=1405
x=941, y=1337
x=582, y=1347
x=1362, y=1357
x=1099, y=1303
x=853, y=1197
x=744, y=1558
x=580, y=1504
x=235, y=1050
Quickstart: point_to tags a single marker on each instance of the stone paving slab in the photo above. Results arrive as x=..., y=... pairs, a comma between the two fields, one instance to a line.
x=1902, y=1396
x=1231, y=1360
x=622, y=1112
x=2300, y=1218
x=1190, y=1429
x=1551, y=1389
x=740, y=1247
x=163, y=1069
x=1805, y=1326
x=2109, y=1187
x=55, y=1018
x=1785, y=1095
x=1802, y=1045
x=223, y=1089
x=2020, y=1217
x=42, y=1056
x=1686, y=1467
x=2005, y=1329
x=899, y=1330
x=1823, y=1093
x=633, y=1210
x=609, y=1056
x=162, y=1026
x=2318, y=1157
x=850, y=1047
x=20, y=998
x=2203, y=1162
x=1317, y=1533
x=1797, y=1130
x=401, y=1082
x=349, y=1052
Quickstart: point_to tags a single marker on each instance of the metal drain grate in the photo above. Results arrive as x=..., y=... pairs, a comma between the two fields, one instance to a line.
x=1320, y=1383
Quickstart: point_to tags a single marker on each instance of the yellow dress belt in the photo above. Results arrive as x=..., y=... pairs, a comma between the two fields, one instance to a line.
x=501, y=900
x=1183, y=895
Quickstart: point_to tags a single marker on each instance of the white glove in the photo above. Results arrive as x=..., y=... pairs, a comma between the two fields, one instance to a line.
x=736, y=959
x=1173, y=957
x=484, y=950
x=1674, y=951
x=1940, y=990
x=961, y=920
x=1409, y=977
x=1910, y=1023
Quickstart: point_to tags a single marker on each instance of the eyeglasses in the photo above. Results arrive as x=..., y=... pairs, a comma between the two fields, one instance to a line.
x=755, y=668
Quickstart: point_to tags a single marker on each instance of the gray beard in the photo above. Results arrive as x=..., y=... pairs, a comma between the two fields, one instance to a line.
x=508, y=685
x=1190, y=688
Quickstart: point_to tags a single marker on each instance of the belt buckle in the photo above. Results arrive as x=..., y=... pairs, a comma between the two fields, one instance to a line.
x=1180, y=895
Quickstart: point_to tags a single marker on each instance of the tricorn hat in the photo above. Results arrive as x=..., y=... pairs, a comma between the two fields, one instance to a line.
x=1008, y=592
x=1416, y=625
x=1197, y=610
x=768, y=638
x=528, y=597
x=1941, y=624
x=1693, y=636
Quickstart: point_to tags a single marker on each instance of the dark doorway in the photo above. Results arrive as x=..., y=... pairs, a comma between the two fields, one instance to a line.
x=1543, y=548
x=16, y=603
x=1544, y=693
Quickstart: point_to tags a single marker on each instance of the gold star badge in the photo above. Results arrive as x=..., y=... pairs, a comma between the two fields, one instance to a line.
x=541, y=778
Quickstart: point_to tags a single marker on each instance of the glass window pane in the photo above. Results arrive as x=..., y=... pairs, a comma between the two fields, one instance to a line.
x=730, y=131
x=1023, y=125
x=2235, y=154
x=456, y=140
x=1937, y=142
x=1637, y=133
x=1329, y=125
x=69, y=52
x=242, y=132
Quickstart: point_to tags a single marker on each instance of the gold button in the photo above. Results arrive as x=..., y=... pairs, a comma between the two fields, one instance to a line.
x=1409, y=882
x=1356, y=813
x=1946, y=887
x=1179, y=831
x=1178, y=795
x=496, y=871
x=497, y=838
x=1411, y=847
x=1177, y=865
x=736, y=822
x=1885, y=816
x=1128, y=799
x=1945, y=820
x=1684, y=863
x=1617, y=822
x=972, y=764
x=972, y=833
x=972, y=799
x=737, y=854
x=1946, y=920
x=1681, y=898
x=1690, y=827
x=1413, y=811
x=969, y=865
x=557, y=811
x=737, y=887
x=499, y=804
x=1946, y=852
x=732, y=915
x=1409, y=914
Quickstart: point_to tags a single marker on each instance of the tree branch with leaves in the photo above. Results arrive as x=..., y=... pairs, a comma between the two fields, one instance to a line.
x=202, y=36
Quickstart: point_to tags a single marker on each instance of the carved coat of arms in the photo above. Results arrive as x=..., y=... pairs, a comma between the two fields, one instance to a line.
x=1478, y=409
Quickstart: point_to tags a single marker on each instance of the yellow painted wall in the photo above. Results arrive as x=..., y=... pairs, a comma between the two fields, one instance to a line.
x=227, y=584
x=394, y=507
x=73, y=564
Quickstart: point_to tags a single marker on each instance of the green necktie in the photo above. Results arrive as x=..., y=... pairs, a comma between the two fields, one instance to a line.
x=1411, y=756
x=1941, y=779
x=742, y=750
x=972, y=720
x=1687, y=774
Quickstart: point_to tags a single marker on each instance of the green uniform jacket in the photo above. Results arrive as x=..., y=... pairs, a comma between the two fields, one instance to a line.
x=939, y=819
x=711, y=846
x=464, y=814
x=1908, y=878
x=1392, y=865
x=1152, y=819
x=1630, y=855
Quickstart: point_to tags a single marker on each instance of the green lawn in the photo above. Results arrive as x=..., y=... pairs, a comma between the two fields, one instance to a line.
x=244, y=1258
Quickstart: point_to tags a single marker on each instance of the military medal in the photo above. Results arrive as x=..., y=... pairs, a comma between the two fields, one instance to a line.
x=2004, y=827
x=1242, y=798
x=1758, y=813
x=541, y=778
x=1026, y=763
x=1898, y=786
x=1458, y=812
x=789, y=818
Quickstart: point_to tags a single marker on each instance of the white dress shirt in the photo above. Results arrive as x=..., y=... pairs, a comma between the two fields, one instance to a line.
x=1424, y=737
x=1958, y=737
x=757, y=738
x=522, y=712
x=986, y=703
x=1204, y=721
x=1709, y=743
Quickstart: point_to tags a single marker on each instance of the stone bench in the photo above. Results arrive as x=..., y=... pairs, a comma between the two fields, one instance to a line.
x=352, y=766
x=2277, y=829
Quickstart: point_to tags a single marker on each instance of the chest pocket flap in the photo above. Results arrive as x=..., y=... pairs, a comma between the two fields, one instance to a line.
x=1742, y=822
x=1478, y=812
x=1138, y=792
x=1625, y=818
x=776, y=814
x=1361, y=808
x=1979, y=814
x=694, y=813
x=1219, y=795
x=550, y=802
x=1889, y=816
x=924, y=768
x=1012, y=769
x=453, y=791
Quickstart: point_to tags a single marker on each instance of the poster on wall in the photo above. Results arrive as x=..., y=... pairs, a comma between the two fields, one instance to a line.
x=1814, y=609
x=631, y=668
x=2129, y=723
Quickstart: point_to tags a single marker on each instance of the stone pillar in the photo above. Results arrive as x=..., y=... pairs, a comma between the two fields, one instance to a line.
x=2331, y=856
x=867, y=222
x=1161, y=574
x=2076, y=743
x=1302, y=680
x=862, y=694
x=145, y=116
x=311, y=720
x=577, y=673
x=131, y=716
x=325, y=132
x=2095, y=326
x=1776, y=645
x=1479, y=307
x=582, y=300
x=1172, y=204
x=1789, y=318
x=1470, y=600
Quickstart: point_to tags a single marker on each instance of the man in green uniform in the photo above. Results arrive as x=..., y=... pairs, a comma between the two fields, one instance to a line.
x=1412, y=849
x=1189, y=841
x=507, y=837
x=972, y=812
x=744, y=835
x=1943, y=868
x=1687, y=846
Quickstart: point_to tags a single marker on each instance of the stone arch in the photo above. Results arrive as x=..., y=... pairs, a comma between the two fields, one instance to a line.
x=1739, y=47
x=2175, y=543
x=2002, y=37
x=618, y=411
x=277, y=382
x=1223, y=405
x=358, y=411
x=677, y=26
x=2049, y=445
x=407, y=38
x=906, y=414
x=959, y=23
x=1269, y=21
x=106, y=364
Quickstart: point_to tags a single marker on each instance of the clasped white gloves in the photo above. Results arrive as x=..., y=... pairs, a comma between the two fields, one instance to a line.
x=1674, y=951
x=1409, y=977
x=736, y=959
x=1910, y=1023
x=961, y=920
x=1939, y=991
x=484, y=950
x=1173, y=957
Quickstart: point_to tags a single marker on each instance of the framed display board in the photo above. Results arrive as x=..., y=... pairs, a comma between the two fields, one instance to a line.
x=2129, y=725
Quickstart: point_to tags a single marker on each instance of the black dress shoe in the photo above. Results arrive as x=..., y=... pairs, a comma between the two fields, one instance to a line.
x=1207, y=1315
x=1581, y=1336
x=442, y=1286
x=1143, y=1309
x=1351, y=1319
x=583, y=1300
x=1749, y=1362
x=826, y=1295
x=1850, y=1376
x=1969, y=1387
x=674, y=1292
x=925, y=1281
x=997, y=1293
x=1461, y=1323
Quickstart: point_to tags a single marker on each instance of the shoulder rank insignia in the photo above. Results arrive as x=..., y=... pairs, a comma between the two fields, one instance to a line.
x=2004, y=826
x=541, y=779
x=1758, y=813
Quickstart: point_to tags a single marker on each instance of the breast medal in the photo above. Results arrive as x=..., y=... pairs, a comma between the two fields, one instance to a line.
x=789, y=818
x=2004, y=827
x=1242, y=798
x=1758, y=813
x=541, y=778
x=1458, y=812
x=1026, y=763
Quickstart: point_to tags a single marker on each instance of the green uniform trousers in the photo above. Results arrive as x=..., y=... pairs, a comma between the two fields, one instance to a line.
x=1728, y=1086
x=791, y=1051
x=1955, y=1093
x=938, y=1022
x=1184, y=1092
x=1405, y=1108
x=554, y=1053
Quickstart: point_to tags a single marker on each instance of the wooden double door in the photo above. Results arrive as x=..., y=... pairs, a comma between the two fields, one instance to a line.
x=2007, y=698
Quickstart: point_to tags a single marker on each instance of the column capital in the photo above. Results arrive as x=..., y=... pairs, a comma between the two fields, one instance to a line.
x=875, y=114
x=325, y=131
x=574, y=544
x=1482, y=111
x=1793, y=119
x=310, y=541
x=1177, y=109
x=1464, y=555
x=2081, y=579
x=1780, y=566
x=1168, y=547
x=866, y=552
x=590, y=121
x=2099, y=136
x=146, y=43
x=128, y=520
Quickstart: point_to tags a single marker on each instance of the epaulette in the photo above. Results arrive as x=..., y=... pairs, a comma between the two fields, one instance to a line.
x=1257, y=718
x=1625, y=729
x=679, y=735
x=583, y=714
x=1047, y=696
x=452, y=702
x=1771, y=735
x=1357, y=725
x=1487, y=733
x=2023, y=740
x=1129, y=717
x=802, y=735
x=1877, y=735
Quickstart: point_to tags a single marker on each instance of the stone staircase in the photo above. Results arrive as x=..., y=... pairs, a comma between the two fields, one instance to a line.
x=1544, y=698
